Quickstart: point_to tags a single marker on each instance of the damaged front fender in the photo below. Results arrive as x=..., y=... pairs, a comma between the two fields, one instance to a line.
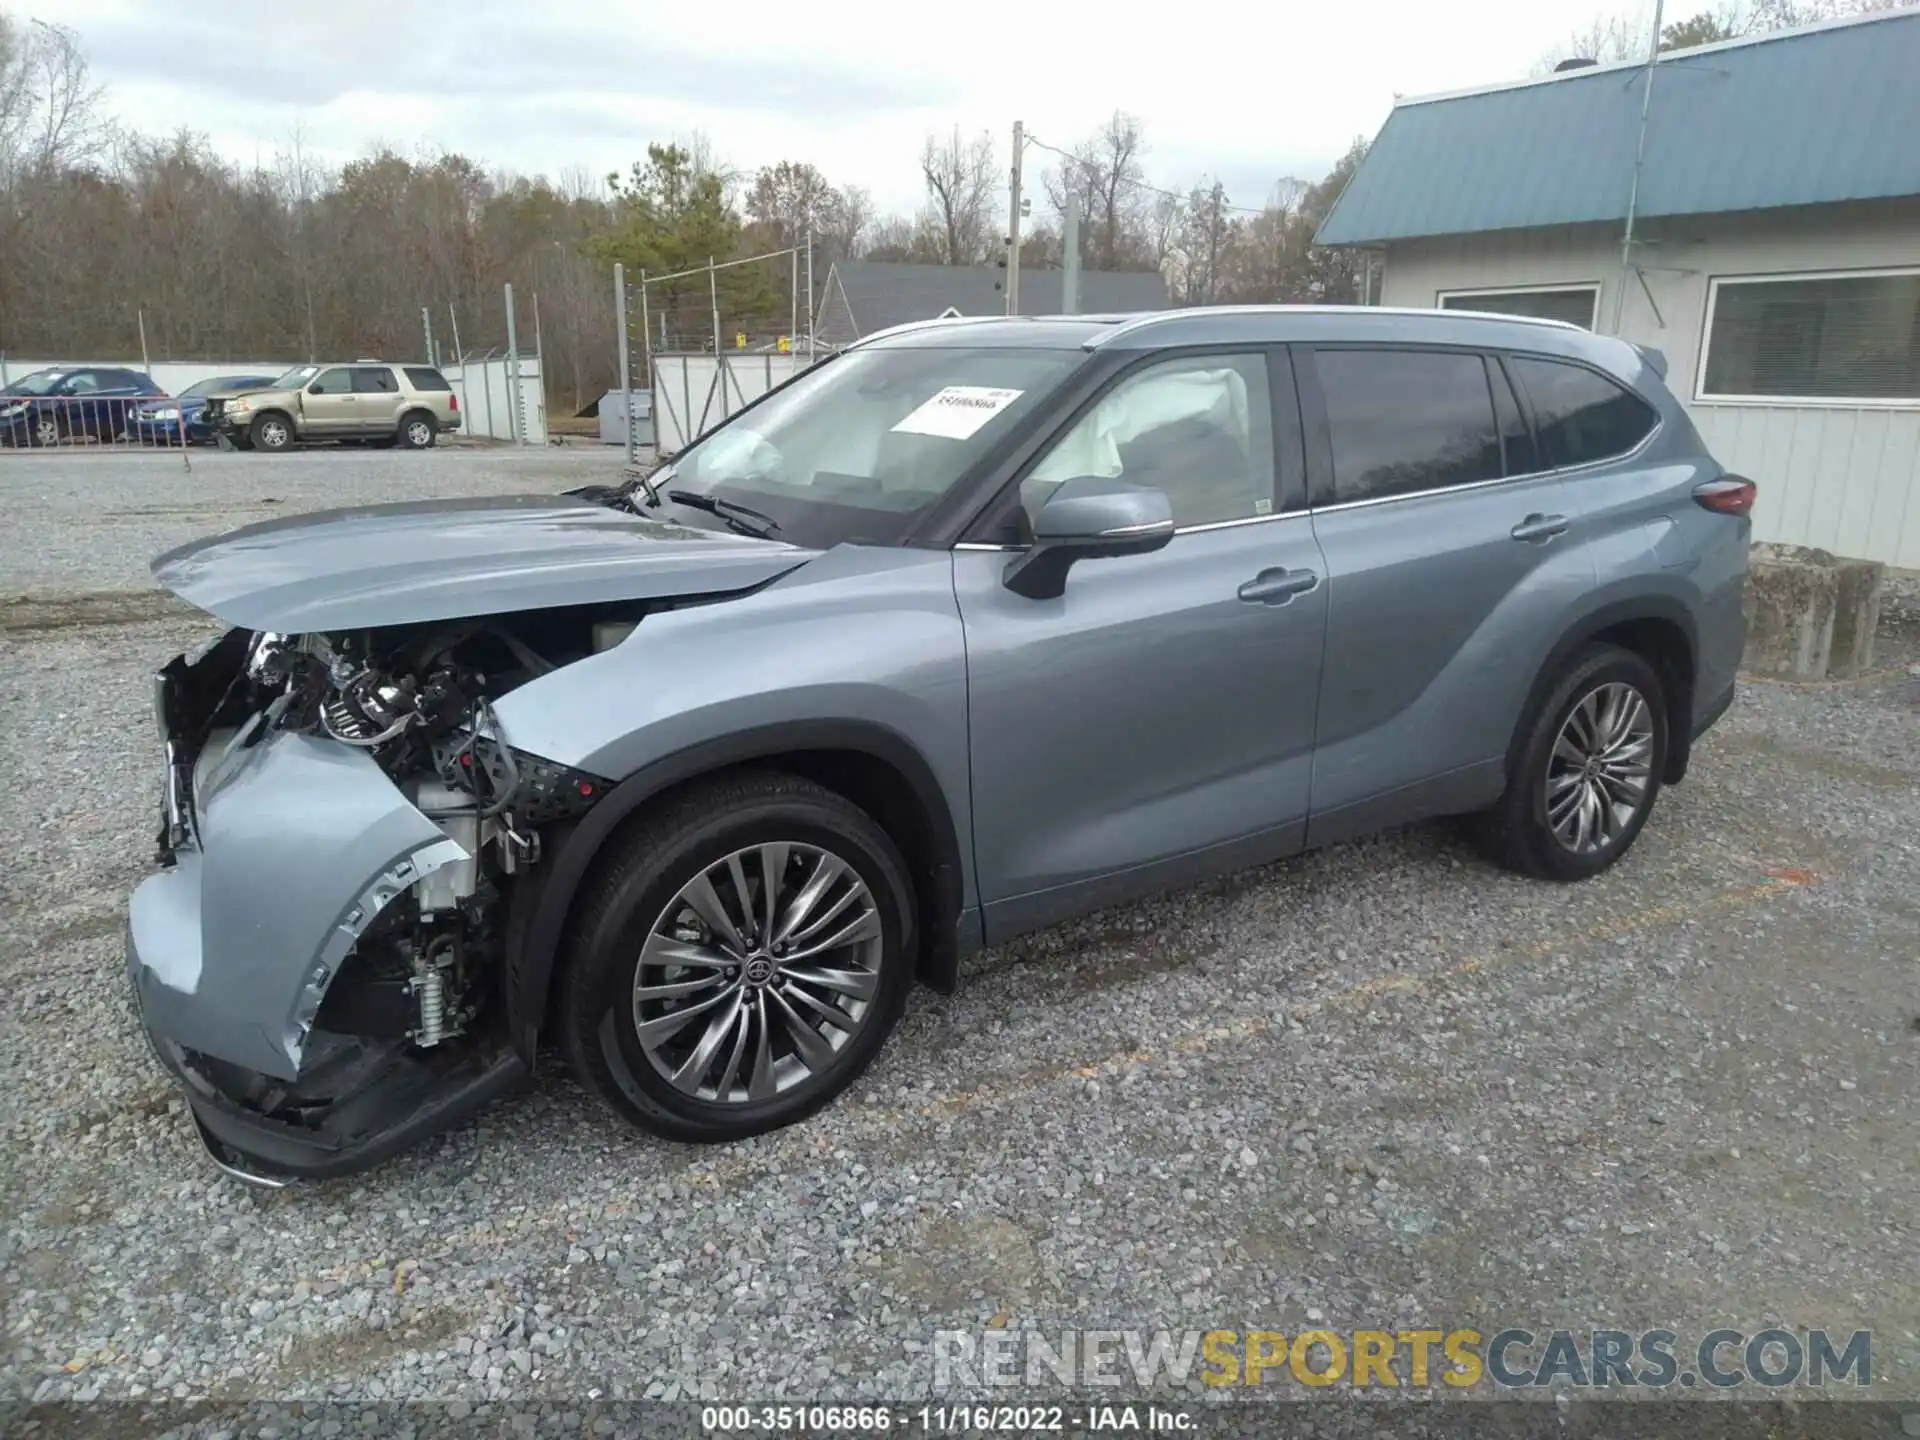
x=302, y=842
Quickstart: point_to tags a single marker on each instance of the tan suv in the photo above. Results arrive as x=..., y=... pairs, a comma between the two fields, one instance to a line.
x=367, y=402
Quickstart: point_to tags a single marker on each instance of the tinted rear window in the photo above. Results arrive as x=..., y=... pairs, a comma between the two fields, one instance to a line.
x=1581, y=416
x=421, y=378
x=375, y=380
x=1407, y=420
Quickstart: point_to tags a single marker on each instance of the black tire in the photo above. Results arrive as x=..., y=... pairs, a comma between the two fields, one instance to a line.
x=47, y=430
x=1516, y=832
x=633, y=894
x=271, y=432
x=418, y=430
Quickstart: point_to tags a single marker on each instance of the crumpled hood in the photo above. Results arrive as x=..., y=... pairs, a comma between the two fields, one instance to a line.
x=405, y=564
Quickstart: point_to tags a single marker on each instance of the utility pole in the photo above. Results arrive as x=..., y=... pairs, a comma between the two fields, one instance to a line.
x=1639, y=160
x=1013, y=222
x=1070, y=253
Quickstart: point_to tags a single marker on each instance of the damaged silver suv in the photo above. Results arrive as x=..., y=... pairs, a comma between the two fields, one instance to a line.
x=974, y=627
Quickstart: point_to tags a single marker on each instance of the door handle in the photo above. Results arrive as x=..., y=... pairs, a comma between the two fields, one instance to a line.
x=1277, y=587
x=1540, y=527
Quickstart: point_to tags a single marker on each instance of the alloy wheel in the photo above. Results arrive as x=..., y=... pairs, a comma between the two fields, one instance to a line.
x=46, y=431
x=758, y=973
x=418, y=434
x=273, y=434
x=1601, y=767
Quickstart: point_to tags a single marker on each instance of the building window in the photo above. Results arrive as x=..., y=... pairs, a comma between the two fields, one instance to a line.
x=1575, y=304
x=1837, y=338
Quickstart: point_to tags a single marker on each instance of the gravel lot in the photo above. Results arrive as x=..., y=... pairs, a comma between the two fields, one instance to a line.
x=1379, y=1085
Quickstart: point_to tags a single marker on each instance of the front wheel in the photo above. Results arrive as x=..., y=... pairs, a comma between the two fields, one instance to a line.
x=270, y=432
x=1588, y=771
x=740, y=961
x=46, y=430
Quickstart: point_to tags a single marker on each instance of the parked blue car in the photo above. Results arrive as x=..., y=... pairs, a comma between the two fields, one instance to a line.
x=160, y=422
x=68, y=401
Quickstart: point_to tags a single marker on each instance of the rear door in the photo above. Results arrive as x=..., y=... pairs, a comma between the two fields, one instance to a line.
x=377, y=399
x=1449, y=567
x=331, y=408
x=1154, y=723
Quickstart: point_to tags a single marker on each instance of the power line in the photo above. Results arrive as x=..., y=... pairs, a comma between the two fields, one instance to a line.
x=1161, y=191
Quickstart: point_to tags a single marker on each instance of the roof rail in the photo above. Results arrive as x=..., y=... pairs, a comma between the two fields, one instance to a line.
x=1154, y=318
x=936, y=323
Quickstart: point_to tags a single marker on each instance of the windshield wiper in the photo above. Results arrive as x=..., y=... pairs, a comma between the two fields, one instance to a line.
x=743, y=518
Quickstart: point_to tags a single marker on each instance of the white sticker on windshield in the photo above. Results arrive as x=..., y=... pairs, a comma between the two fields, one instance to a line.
x=957, y=411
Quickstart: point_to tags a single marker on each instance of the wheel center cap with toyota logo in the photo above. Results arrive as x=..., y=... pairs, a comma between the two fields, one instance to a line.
x=759, y=970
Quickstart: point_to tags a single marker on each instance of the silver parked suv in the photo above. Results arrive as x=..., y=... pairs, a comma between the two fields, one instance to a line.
x=365, y=403
x=974, y=627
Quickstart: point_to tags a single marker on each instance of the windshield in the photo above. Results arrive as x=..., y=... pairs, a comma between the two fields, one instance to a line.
x=40, y=382
x=296, y=377
x=863, y=445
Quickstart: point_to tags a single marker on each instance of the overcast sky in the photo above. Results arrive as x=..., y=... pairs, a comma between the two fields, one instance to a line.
x=1247, y=92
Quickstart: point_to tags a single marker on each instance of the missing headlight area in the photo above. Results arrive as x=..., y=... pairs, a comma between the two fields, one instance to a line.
x=400, y=1009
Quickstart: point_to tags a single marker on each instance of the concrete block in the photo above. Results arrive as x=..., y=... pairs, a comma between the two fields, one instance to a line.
x=1810, y=615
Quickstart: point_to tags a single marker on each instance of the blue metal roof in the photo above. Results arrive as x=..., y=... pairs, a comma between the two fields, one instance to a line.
x=1799, y=117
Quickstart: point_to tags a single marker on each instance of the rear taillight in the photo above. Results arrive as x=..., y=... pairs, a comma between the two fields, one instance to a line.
x=453, y=403
x=1729, y=495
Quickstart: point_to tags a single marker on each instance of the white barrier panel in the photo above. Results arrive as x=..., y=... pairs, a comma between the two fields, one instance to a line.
x=694, y=393
x=484, y=387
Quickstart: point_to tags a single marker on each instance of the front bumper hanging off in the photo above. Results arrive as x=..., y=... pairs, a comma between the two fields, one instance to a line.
x=282, y=852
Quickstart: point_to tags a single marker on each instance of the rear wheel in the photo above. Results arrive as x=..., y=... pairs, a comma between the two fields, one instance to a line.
x=740, y=961
x=1588, y=771
x=271, y=432
x=417, y=430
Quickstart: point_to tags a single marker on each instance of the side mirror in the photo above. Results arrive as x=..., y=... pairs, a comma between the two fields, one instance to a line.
x=1085, y=518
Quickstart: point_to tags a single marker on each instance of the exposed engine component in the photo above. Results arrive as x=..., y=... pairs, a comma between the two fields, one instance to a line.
x=430, y=992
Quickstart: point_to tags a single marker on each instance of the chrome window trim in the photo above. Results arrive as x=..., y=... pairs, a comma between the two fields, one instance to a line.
x=1659, y=424
x=990, y=547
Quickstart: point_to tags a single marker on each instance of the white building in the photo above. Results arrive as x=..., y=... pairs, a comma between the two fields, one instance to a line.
x=1775, y=256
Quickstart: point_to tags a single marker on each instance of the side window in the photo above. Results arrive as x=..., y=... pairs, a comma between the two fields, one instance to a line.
x=82, y=382
x=1402, y=421
x=1199, y=427
x=375, y=380
x=1515, y=438
x=337, y=381
x=1581, y=417
x=421, y=377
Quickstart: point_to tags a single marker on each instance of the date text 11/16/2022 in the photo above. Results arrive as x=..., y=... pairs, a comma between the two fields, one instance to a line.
x=941, y=1419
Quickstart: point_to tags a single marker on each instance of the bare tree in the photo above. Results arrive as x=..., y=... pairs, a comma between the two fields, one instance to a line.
x=960, y=183
x=1624, y=35
x=49, y=104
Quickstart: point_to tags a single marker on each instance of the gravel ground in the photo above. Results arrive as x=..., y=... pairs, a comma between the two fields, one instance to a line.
x=1378, y=1085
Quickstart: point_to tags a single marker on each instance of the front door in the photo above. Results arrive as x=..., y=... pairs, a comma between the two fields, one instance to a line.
x=331, y=408
x=1153, y=724
x=1452, y=566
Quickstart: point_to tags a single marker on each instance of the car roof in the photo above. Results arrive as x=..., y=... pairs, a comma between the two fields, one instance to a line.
x=1269, y=325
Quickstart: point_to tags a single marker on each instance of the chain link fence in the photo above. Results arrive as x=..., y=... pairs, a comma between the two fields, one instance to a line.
x=697, y=345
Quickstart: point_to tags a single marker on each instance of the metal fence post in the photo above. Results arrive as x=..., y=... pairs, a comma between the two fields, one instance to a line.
x=626, y=371
x=460, y=359
x=514, y=426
